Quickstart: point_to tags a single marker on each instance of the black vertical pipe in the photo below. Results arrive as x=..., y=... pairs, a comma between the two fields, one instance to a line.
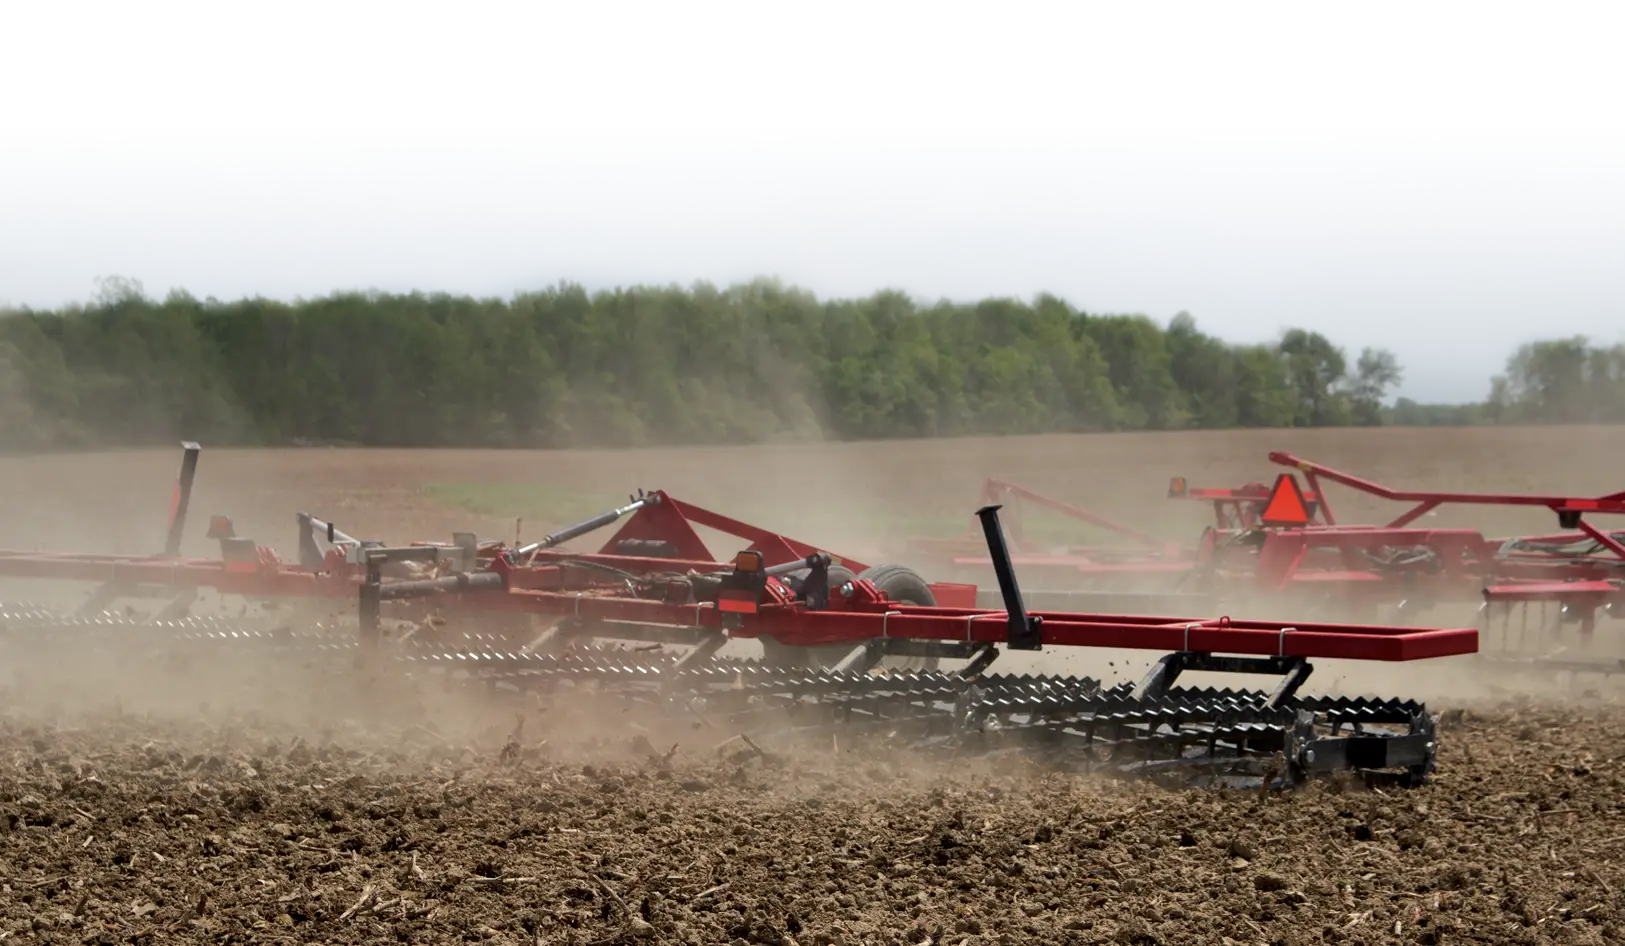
x=1023, y=633
x=183, y=498
x=369, y=607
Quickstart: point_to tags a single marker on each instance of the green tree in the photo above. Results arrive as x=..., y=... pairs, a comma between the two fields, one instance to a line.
x=752, y=362
x=1375, y=372
x=1315, y=367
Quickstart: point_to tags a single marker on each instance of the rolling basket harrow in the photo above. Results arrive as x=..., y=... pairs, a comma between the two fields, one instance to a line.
x=875, y=653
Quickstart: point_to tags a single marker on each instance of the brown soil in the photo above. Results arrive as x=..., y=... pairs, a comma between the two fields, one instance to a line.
x=266, y=816
x=265, y=804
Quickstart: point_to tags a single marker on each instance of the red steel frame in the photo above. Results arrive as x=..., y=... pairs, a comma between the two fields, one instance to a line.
x=1583, y=583
x=1234, y=509
x=547, y=587
x=544, y=584
x=667, y=519
x=1323, y=557
x=1426, y=501
x=867, y=614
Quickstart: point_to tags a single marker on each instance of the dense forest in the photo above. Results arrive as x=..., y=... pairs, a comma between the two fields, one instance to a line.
x=664, y=365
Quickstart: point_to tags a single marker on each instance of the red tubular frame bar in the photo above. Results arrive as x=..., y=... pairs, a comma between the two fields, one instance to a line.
x=1232, y=509
x=667, y=520
x=541, y=588
x=867, y=615
x=1427, y=501
x=995, y=491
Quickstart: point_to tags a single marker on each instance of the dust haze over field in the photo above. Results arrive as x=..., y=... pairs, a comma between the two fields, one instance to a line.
x=350, y=809
x=857, y=499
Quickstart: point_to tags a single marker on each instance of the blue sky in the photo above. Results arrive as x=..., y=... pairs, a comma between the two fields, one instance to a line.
x=1438, y=179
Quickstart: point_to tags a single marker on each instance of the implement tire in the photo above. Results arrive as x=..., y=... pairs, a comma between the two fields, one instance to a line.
x=899, y=583
x=904, y=586
x=789, y=655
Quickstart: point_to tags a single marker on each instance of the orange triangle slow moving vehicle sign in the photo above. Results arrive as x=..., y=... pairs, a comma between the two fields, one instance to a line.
x=1286, y=506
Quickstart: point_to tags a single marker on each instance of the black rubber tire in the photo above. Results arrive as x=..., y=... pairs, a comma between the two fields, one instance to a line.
x=785, y=655
x=901, y=584
x=904, y=586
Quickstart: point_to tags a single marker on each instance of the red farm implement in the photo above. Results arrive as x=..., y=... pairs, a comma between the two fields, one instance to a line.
x=1282, y=548
x=1529, y=588
x=1133, y=570
x=536, y=618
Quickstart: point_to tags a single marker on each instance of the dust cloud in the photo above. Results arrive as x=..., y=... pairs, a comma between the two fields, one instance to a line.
x=859, y=500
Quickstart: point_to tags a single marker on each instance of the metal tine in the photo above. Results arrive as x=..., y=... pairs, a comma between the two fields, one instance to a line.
x=1071, y=721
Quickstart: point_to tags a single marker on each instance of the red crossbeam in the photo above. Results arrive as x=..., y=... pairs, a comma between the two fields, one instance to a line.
x=865, y=620
x=1429, y=500
x=790, y=623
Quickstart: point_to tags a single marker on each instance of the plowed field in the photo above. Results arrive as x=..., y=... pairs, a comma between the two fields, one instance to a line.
x=233, y=802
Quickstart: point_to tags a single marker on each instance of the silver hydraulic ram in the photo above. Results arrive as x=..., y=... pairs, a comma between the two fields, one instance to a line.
x=582, y=528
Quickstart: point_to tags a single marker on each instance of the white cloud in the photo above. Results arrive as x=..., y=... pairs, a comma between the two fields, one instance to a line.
x=1268, y=226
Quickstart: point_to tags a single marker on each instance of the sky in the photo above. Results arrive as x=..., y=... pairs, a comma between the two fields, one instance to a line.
x=1441, y=179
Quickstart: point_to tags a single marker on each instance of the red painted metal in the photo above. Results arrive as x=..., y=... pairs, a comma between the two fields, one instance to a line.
x=867, y=615
x=552, y=582
x=1355, y=564
x=1365, y=566
x=1467, y=554
x=1142, y=556
x=1239, y=509
x=1426, y=501
x=266, y=575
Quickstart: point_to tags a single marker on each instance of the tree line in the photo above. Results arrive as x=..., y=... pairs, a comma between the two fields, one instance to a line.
x=563, y=367
x=1556, y=381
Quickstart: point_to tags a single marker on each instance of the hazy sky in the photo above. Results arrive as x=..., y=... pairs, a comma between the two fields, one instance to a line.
x=1443, y=179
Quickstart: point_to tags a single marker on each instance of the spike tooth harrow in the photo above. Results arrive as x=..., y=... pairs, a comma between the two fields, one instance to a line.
x=654, y=580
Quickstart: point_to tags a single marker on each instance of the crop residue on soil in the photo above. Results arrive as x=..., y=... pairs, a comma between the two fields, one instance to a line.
x=231, y=823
